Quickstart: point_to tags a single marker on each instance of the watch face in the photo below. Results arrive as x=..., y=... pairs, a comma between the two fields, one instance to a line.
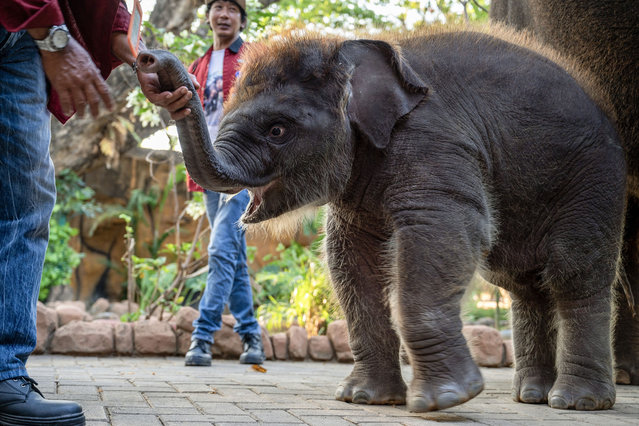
x=60, y=39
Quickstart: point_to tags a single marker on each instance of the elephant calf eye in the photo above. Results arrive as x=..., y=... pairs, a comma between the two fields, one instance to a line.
x=276, y=131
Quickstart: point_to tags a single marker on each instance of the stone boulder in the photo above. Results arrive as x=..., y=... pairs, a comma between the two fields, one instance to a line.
x=185, y=317
x=266, y=342
x=320, y=349
x=337, y=332
x=183, y=341
x=226, y=341
x=68, y=313
x=153, y=337
x=99, y=306
x=85, y=338
x=47, y=322
x=280, y=346
x=123, y=338
x=121, y=308
x=486, y=345
x=509, y=358
x=297, y=343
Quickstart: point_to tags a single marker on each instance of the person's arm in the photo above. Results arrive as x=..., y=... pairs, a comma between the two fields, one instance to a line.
x=16, y=15
x=70, y=71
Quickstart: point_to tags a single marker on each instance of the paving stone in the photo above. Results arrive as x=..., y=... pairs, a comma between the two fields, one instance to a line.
x=275, y=416
x=161, y=390
x=325, y=420
x=219, y=408
x=137, y=420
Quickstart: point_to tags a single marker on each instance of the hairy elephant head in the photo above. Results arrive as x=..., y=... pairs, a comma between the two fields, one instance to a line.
x=298, y=110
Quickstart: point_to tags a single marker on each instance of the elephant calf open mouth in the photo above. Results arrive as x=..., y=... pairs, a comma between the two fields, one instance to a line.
x=258, y=197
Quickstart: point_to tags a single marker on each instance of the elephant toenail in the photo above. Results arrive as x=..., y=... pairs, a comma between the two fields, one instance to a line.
x=419, y=404
x=531, y=396
x=585, y=404
x=448, y=399
x=361, y=397
x=339, y=393
x=558, y=402
x=475, y=387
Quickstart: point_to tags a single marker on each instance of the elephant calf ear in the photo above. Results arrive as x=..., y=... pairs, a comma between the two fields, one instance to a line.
x=384, y=88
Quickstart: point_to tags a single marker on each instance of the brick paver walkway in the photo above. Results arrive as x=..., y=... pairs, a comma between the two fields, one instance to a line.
x=162, y=391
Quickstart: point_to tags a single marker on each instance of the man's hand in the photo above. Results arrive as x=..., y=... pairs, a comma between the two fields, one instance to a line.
x=77, y=80
x=174, y=102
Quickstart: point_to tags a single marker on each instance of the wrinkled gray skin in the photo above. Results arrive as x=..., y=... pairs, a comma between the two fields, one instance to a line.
x=468, y=153
x=603, y=36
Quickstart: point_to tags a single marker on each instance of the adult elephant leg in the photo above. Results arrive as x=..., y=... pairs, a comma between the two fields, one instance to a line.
x=436, y=258
x=626, y=320
x=355, y=259
x=534, y=339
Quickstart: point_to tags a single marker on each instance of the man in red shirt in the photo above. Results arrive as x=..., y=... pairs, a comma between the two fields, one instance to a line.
x=55, y=54
x=228, y=280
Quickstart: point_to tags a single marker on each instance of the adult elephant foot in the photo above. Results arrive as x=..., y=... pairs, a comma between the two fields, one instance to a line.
x=378, y=388
x=578, y=393
x=626, y=298
x=626, y=340
x=627, y=353
x=461, y=382
x=532, y=385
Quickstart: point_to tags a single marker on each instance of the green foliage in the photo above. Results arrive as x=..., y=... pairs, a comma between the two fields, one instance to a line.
x=161, y=279
x=73, y=197
x=296, y=288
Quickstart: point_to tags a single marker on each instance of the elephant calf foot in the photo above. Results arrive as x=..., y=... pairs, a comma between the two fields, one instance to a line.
x=437, y=393
x=363, y=389
x=578, y=393
x=532, y=385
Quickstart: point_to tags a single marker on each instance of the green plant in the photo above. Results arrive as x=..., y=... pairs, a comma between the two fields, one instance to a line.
x=174, y=270
x=295, y=287
x=73, y=197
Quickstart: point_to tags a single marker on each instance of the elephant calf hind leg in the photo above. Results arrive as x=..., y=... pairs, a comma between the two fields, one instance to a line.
x=535, y=342
x=584, y=359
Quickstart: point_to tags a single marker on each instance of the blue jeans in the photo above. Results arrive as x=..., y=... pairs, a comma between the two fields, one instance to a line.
x=228, y=279
x=27, y=196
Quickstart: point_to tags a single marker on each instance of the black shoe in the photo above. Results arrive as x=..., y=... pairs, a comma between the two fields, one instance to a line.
x=21, y=403
x=199, y=354
x=253, y=350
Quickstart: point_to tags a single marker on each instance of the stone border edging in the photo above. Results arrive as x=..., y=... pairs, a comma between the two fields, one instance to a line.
x=67, y=328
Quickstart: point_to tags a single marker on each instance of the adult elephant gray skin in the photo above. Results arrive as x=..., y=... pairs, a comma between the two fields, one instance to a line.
x=603, y=36
x=438, y=154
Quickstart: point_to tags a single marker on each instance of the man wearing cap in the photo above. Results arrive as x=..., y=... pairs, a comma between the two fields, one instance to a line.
x=228, y=279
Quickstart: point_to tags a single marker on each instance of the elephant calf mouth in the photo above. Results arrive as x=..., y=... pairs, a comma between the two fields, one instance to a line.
x=257, y=199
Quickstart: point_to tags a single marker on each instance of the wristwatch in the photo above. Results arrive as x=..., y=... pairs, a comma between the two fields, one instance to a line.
x=56, y=40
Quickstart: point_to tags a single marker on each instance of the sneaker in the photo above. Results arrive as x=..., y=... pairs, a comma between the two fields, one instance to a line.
x=22, y=403
x=253, y=350
x=199, y=354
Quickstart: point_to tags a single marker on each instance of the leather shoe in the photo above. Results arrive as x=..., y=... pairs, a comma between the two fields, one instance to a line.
x=22, y=403
x=253, y=350
x=199, y=354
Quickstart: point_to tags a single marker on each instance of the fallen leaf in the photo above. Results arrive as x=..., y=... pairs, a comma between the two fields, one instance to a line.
x=259, y=368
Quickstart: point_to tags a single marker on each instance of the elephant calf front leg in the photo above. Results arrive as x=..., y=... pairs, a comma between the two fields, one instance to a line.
x=354, y=258
x=431, y=280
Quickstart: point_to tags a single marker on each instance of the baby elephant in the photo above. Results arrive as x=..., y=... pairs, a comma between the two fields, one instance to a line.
x=440, y=154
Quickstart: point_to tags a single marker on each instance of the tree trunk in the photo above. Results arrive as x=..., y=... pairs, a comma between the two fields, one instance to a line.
x=84, y=144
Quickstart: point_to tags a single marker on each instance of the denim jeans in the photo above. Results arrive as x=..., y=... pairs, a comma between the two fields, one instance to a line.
x=27, y=196
x=228, y=279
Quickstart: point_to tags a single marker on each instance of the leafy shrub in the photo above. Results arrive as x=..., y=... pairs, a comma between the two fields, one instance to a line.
x=296, y=288
x=73, y=197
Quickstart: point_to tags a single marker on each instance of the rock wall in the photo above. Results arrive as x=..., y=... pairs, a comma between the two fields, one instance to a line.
x=67, y=328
